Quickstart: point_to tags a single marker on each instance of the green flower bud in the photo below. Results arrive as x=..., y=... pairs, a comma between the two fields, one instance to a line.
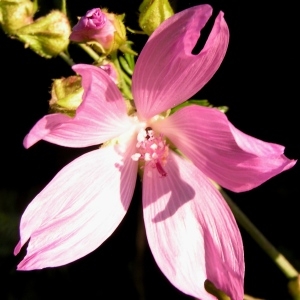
x=48, y=35
x=153, y=13
x=66, y=95
x=15, y=14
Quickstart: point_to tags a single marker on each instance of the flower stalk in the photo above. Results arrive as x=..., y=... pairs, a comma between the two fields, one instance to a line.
x=279, y=259
x=125, y=81
x=66, y=58
x=64, y=6
x=93, y=54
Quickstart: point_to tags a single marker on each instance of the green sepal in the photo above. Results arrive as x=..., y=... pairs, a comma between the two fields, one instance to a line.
x=126, y=48
x=205, y=103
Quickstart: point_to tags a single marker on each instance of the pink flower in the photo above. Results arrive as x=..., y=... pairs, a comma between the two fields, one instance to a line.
x=190, y=229
x=94, y=26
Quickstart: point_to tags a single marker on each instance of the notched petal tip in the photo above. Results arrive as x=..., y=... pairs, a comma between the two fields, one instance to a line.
x=289, y=163
x=179, y=74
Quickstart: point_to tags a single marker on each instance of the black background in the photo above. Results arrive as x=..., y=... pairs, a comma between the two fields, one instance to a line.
x=257, y=80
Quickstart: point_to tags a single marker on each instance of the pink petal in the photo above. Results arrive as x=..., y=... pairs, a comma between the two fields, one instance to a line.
x=101, y=116
x=233, y=159
x=191, y=231
x=79, y=209
x=167, y=73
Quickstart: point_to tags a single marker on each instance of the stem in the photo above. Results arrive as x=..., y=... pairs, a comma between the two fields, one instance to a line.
x=130, y=60
x=247, y=297
x=284, y=265
x=64, y=6
x=125, y=65
x=67, y=58
x=124, y=79
x=89, y=51
x=138, y=264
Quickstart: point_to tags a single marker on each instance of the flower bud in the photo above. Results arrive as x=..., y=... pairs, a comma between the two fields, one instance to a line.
x=66, y=95
x=153, y=13
x=15, y=14
x=105, y=31
x=48, y=35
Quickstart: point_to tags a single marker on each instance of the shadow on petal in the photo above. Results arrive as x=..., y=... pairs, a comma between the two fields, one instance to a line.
x=171, y=184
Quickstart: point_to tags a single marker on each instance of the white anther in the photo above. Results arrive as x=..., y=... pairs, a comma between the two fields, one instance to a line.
x=153, y=146
x=135, y=156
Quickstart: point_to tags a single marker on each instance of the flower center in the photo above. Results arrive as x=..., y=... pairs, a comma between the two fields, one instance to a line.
x=152, y=151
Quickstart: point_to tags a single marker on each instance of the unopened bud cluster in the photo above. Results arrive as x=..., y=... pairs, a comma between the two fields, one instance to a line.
x=47, y=36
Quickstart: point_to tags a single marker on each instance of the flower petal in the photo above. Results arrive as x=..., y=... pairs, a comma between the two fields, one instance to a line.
x=101, y=116
x=191, y=231
x=233, y=159
x=79, y=209
x=167, y=73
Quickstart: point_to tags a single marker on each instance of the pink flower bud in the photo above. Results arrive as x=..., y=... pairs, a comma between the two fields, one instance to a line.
x=94, y=26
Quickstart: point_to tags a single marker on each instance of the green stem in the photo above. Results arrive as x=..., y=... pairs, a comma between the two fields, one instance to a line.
x=66, y=58
x=124, y=79
x=64, y=6
x=289, y=271
x=130, y=60
x=123, y=62
x=90, y=51
x=248, y=297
